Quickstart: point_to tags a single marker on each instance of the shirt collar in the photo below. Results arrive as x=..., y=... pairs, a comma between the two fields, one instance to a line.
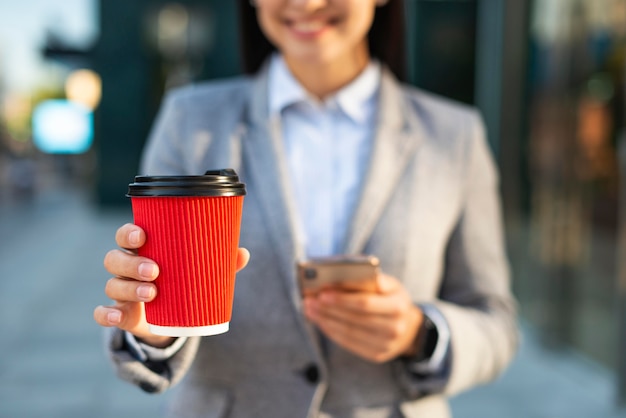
x=284, y=90
x=356, y=99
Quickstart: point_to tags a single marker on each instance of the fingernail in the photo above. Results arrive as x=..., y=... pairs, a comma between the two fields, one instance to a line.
x=148, y=270
x=145, y=292
x=114, y=317
x=133, y=238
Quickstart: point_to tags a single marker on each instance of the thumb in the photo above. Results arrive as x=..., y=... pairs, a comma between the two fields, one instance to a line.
x=243, y=256
x=387, y=284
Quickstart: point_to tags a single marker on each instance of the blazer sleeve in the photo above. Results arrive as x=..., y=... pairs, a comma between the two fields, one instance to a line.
x=150, y=376
x=475, y=296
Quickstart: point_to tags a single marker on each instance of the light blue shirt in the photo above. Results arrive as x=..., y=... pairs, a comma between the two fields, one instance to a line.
x=327, y=145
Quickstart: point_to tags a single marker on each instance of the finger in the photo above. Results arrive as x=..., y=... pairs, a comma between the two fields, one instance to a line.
x=398, y=326
x=122, y=290
x=382, y=328
x=370, y=345
x=243, y=256
x=388, y=284
x=123, y=264
x=355, y=340
x=363, y=303
x=130, y=236
x=107, y=316
x=125, y=316
x=364, y=320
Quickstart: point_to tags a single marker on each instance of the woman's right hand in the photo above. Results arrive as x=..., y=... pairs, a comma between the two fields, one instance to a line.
x=132, y=285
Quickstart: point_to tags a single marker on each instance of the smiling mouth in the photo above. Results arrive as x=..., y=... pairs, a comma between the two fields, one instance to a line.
x=310, y=28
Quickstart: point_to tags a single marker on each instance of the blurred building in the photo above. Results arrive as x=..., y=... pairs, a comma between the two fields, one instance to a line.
x=548, y=76
x=146, y=47
x=566, y=236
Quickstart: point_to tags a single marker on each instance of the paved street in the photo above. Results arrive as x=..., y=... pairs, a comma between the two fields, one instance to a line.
x=51, y=278
x=53, y=363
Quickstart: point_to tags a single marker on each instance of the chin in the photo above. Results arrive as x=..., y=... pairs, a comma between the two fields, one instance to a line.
x=311, y=56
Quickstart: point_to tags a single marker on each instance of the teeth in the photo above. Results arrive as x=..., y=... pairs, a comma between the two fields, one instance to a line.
x=308, y=26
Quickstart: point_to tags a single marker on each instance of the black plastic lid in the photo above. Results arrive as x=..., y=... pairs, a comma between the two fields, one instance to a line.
x=223, y=182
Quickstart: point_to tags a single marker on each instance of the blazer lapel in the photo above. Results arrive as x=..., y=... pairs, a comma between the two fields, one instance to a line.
x=395, y=142
x=263, y=153
x=265, y=158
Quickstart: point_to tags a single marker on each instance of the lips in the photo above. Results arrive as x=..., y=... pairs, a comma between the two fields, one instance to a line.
x=310, y=27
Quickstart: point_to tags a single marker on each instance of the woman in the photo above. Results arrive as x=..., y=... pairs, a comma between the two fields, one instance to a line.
x=338, y=157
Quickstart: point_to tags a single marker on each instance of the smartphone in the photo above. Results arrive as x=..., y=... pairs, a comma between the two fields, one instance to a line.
x=352, y=273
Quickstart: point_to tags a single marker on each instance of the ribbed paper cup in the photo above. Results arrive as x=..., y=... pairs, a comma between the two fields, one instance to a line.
x=192, y=226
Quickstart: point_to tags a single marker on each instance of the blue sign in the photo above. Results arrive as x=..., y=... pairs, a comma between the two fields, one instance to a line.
x=62, y=127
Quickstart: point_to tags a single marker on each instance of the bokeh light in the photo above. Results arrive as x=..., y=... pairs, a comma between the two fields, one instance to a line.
x=62, y=127
x=84, y=87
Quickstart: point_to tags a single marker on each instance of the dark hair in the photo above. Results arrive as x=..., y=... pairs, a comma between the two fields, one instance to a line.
x=385, y=38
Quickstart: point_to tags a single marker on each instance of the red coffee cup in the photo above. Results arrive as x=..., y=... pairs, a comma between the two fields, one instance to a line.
x=192, y=226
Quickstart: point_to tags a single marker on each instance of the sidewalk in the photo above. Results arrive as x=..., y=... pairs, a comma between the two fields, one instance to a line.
x=53, y=362
x=51, y=278
x=544, y=384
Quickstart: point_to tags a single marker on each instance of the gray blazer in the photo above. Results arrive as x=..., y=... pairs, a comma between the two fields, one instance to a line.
x=429, y=209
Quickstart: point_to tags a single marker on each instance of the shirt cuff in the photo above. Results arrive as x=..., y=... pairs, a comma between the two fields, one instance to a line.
x=144, y=352
x=437, y=361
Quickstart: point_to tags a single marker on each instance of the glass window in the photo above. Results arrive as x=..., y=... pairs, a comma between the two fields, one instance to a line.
x=575, y=119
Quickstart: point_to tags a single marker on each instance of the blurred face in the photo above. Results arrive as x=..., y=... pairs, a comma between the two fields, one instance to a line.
x=317, y=31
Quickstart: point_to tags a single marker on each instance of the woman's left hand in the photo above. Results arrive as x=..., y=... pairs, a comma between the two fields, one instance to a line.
x=375, y=326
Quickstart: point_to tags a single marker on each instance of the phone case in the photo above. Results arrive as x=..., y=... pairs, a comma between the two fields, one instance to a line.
x=348, y=273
